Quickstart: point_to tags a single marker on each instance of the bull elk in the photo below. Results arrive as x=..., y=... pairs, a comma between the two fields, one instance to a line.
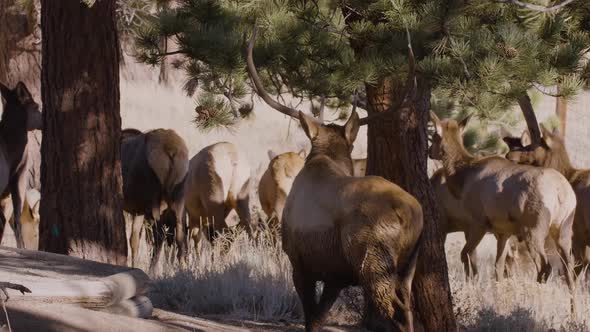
x=346, y=230
x=552, y=153
x=218, y=182
x=21, y=114
x=154, y=167
x=509, y=199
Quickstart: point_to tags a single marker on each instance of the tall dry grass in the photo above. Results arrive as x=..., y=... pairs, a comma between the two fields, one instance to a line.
x=247, y=280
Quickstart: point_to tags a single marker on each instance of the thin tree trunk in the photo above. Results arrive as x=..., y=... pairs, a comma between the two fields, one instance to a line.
x=528, y=112
x=163, y=78
x=20, y=60
x=561, y=113
x=397, y=151
x=81, y=209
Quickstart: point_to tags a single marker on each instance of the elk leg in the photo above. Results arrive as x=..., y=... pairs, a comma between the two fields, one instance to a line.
x=305, y=288
x=136, y=227
x=246, y=221
x=177, y=207
x=535, y=242
x=159, y=237
x=501, y=251
x=17, y=191
x=473, y=238
x=563, y=240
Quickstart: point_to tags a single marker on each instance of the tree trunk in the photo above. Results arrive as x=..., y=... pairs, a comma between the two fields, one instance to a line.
x=561, y=113
x=528, y=112
x=397, y=151
x=82, y=207
x=20, y=60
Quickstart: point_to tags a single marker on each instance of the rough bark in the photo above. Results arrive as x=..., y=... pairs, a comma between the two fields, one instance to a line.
x=528, y=112
x=561, y=113
x=397, y=151
x=20, y=60
x=81, y=209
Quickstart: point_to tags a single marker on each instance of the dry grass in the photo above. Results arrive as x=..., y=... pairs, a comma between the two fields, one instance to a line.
x=253, y=281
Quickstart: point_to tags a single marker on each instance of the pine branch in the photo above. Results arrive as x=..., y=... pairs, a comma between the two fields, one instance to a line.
x=537, y=8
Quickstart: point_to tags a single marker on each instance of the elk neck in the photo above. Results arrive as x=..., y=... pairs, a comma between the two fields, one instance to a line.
x=559, y=160
x=339, y=155
x=13, y=133
x=456, y=159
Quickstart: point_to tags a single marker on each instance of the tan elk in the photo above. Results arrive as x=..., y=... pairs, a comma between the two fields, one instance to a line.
x=275, y=183
x=552, y=153
x=506, y=199
x=29, y=217
x=218, y=182
x=345, y=230
x=154, y=167
x=21, y=114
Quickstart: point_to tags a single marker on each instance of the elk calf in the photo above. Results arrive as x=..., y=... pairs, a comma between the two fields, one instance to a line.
x=21, y=114
x=154, y=167
x=218, y=182
x=509, y=199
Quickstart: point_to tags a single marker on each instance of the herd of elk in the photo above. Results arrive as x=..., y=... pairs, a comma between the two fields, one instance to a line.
x=337, y=225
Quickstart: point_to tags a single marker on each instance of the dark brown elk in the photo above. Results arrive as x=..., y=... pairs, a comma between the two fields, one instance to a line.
x=507, y=199
x=21, y=114
x=552, y=153
x=218, y=182
x=154, y=167
x=345, y=230
x=29, y=217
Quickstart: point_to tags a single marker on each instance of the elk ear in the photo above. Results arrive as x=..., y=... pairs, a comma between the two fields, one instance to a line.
x=464, y=122
x=351, y=128
x=22, y=93
x=302, y=153
x=547, y=135
x=525, y=138
x=310, y=127
x=436, y=121
x=271, y=154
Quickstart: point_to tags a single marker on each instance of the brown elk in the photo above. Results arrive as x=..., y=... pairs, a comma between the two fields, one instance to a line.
x=21, y=114
x=154, y=167
x=218, y=182
x=509, y=199
x=552, y=153
x=345, y=230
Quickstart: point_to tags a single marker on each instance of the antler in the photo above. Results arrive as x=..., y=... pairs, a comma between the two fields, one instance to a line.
x=409, y=88
x=258, y=83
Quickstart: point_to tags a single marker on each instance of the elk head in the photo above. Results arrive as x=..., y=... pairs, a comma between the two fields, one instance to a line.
x=333, y=141
x=447, y=139
x=550, y=152
x=21, y=105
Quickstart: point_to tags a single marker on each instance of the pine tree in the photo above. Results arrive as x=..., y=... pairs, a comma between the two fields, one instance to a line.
x=484, y=56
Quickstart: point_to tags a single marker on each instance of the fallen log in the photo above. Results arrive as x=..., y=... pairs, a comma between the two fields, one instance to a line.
x=53, y=278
